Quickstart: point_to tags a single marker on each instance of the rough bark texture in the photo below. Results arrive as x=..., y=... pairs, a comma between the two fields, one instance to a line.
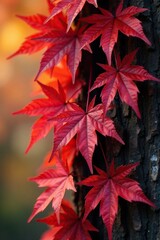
x=137, y=221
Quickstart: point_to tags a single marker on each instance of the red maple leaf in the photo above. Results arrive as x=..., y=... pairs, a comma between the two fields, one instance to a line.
x=108, y=25
x=58, y=181
x=60, y=73
x=32, y=44
x=62, y=44
x=67, y=153
x=71, y=226
x=50, y=5
x=50, y=234
x=121, y=79
x=53, y=36
x=55, y=103
x=106, y=189
x=84, y=124
x=72, y=8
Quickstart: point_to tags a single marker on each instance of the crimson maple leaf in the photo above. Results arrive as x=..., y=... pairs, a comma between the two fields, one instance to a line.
x=62, y=44
x=60, y=73
x=108, y=25
x=72, y=8
x=32, y=44
x=55, y=103
x=71, y=226
x=107, y=186
x=58, y=181
x=49, y=234
x=50, y=5
x=83, y=123
x=121, y=79
x=67, y=153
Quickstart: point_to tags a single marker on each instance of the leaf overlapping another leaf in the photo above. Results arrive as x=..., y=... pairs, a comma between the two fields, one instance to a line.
x=71, y=226
x=67, y=153
x=84, y=124
x=55, y=103
x=72, y=8
x=63, y=43
x=58, y=109
x=32, y=44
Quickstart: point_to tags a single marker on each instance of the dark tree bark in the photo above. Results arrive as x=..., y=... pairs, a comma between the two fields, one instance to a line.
x=142, y=137
x=137, y=221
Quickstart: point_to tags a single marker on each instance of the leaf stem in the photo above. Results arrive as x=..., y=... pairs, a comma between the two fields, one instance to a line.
x=105, y=159
x=115, y=58
x=89, y=86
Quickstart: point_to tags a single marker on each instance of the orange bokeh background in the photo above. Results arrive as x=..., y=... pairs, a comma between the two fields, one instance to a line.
x=16, y=89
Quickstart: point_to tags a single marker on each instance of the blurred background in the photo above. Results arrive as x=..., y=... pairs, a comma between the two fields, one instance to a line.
x=18, y=195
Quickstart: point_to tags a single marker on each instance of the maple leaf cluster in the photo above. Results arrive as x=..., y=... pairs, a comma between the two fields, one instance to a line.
x=64, y=34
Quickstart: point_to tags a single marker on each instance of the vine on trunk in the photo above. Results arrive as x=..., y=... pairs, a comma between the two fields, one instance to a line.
x=79, y=120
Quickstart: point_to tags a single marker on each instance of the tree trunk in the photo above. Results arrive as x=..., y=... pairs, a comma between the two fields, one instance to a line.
x=137, y=221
